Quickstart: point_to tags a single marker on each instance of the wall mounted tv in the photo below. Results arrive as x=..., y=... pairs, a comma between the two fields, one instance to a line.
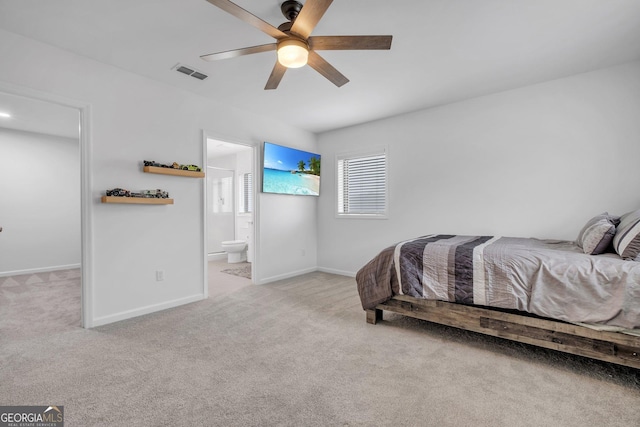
x=289, y=171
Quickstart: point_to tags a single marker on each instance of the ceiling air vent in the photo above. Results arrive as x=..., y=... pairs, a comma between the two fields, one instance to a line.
x=190, y=72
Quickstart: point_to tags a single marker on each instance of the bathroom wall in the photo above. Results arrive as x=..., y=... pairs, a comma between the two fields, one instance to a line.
x=241, y=163
x=244, y=221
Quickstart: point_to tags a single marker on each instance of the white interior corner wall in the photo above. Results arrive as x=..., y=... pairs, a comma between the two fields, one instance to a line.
x=39, y=202
x=134, y=118
x=538, y=161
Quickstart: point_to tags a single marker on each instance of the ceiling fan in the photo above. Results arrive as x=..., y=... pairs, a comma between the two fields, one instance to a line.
x=294, y=44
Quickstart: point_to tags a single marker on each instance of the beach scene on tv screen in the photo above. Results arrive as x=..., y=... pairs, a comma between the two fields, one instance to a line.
x=290, y=171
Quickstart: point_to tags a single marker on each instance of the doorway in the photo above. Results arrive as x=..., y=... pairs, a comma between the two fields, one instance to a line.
x=43, y=144
x=230, y=213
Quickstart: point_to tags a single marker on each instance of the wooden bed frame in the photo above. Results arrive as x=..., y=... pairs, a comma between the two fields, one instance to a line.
x=614, y=347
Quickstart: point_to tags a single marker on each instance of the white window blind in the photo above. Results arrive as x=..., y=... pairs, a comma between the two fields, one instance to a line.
x=362, y=184
x=246, y=193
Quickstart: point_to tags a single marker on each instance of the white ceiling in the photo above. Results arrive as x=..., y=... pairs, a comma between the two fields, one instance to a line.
x=443, y=50
x=217, y=149
x=31, y=115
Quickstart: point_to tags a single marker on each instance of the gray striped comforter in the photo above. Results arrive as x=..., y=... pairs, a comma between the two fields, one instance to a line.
x=550, y=278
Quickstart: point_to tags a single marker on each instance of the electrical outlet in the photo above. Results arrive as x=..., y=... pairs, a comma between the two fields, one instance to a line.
x=159, y=275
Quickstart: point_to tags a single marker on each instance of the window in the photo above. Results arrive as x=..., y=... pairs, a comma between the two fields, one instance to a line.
x=246, y=193
x=362, y=184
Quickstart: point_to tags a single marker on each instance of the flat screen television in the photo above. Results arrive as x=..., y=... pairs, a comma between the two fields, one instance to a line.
x=287, y=170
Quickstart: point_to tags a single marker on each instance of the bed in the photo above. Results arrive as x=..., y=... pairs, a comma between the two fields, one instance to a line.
x=580, y=297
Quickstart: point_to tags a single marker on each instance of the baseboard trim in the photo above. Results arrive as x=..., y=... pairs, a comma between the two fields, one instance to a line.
x=338, y=272
x=286, y=275
x=305, y=271
x=39, y=270
x=217, y=257
x=124, y=315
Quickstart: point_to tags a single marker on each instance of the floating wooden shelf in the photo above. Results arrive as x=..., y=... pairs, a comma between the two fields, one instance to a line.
x=136, y=200
x=171, y=171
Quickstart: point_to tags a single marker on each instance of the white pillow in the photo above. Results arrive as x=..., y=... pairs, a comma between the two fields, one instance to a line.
x=627, y=239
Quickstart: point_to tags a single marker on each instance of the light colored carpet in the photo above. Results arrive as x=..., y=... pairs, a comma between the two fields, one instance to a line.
x=299, y=353
x=41, y=304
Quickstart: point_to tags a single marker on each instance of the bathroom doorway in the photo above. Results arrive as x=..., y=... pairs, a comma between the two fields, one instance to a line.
x=230, y=210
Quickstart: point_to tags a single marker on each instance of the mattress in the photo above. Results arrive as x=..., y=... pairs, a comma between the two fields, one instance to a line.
x=548, y=278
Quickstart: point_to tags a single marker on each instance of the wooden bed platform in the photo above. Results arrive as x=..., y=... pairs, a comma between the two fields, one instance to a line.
x=612, y=347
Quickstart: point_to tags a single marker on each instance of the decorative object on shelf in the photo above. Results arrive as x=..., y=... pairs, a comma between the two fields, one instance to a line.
x=144, y=197
x=121, y=192
x=159, y=194
x=173, y=171
x=137, y=200
x=174, y=165
x=156, y=164
x=118, y=192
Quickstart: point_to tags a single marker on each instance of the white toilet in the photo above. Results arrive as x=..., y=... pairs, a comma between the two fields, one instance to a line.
x=236, y=250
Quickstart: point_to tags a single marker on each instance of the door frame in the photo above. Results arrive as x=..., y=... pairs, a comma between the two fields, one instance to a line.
x=257, y=183
x=86, y=208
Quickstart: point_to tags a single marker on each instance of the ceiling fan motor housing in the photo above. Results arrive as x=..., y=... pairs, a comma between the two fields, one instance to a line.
x=290, y=9
x=285, y=27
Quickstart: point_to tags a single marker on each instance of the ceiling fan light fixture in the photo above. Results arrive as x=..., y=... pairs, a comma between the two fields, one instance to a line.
x=293, y=53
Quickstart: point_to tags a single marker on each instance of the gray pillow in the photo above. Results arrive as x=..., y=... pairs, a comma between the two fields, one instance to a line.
x=627, y=239
x=597, y=237
x=601, y=230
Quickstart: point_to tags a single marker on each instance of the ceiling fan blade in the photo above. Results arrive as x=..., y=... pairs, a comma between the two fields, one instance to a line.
x=276, y=75
x=239, y=52
x=309, y=16
x=319, y=64
x=248, y=17
x=350, y=42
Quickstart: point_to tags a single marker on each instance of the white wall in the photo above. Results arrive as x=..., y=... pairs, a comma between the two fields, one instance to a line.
x=534, y=162
x=244, y=221
x=39, y=202
x=134, y=118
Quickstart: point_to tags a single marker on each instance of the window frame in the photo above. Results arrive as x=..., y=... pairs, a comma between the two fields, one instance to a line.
x=376, y=151
x=245, y=194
